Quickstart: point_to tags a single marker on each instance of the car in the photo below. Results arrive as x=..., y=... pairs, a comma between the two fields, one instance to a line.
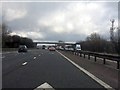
x=43, y=47
x=22, y=48
x=69, y=48
x=60, y=48
x=51, y=48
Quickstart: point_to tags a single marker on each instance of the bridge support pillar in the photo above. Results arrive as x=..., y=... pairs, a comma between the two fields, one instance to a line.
x=88, y=56
x=95, y=58
x=104, y=61
x=84, y=55
x=118, y=65
x=80, y=54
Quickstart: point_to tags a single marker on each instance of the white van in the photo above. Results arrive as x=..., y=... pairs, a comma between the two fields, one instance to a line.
x=69, y=48
x=78, y=47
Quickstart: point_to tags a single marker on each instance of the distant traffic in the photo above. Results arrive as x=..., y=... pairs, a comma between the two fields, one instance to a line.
x=74, y=47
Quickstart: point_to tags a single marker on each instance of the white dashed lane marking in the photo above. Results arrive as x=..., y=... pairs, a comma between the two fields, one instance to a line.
x=24, y=63
x=52, y=53
x=34, y=58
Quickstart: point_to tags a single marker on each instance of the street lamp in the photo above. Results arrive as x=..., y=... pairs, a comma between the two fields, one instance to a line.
x=112, y=29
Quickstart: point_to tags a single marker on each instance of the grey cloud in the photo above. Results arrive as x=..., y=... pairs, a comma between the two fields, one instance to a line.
x=52, y=36
x=35, y=11
x=39, y=10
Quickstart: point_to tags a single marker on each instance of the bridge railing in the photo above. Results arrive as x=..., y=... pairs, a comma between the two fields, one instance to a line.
x=96, y=55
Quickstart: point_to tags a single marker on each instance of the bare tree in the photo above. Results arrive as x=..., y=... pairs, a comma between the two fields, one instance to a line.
x=95, y=43
x=115, y=37
x=116, y=41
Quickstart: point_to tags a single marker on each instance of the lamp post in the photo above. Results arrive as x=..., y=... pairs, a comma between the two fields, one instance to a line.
x=111, y=30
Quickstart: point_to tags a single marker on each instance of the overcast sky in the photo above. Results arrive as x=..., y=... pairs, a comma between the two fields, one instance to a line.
x=53, y=21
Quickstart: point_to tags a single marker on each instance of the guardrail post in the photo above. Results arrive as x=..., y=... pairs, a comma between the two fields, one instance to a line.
x=84, y=55
x=118, y=65
x=104, y=61
x=88, y=56
x=80, y=54
x=95, y=58
x=73, y=53
x=77, y=53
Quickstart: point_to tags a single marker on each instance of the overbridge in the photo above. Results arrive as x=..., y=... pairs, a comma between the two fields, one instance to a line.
x=54, y=42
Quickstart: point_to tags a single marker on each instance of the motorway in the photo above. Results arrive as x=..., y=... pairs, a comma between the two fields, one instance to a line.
x=31, y=69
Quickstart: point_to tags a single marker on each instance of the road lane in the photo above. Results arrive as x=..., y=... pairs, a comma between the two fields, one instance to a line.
x=48, y=67
x=86, y=72
x=12, y=61
x=103, y=72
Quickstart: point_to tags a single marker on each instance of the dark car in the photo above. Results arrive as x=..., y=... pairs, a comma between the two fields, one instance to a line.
x=43, y=47
x=22, y=48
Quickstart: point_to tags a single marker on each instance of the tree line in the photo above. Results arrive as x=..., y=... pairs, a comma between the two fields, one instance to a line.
x=13, y=41
x=97, y=43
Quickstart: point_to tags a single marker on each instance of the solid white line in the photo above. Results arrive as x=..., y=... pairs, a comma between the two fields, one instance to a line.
x=45, y=86
x=88, y=73
x=24, y=63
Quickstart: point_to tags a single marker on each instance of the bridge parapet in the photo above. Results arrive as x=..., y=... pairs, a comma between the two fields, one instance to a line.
x=63, y=43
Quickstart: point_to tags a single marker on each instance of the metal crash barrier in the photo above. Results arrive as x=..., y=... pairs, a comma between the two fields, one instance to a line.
x=98, y=55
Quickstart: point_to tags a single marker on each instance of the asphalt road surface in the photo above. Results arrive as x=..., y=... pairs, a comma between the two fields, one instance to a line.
x=31, y=69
